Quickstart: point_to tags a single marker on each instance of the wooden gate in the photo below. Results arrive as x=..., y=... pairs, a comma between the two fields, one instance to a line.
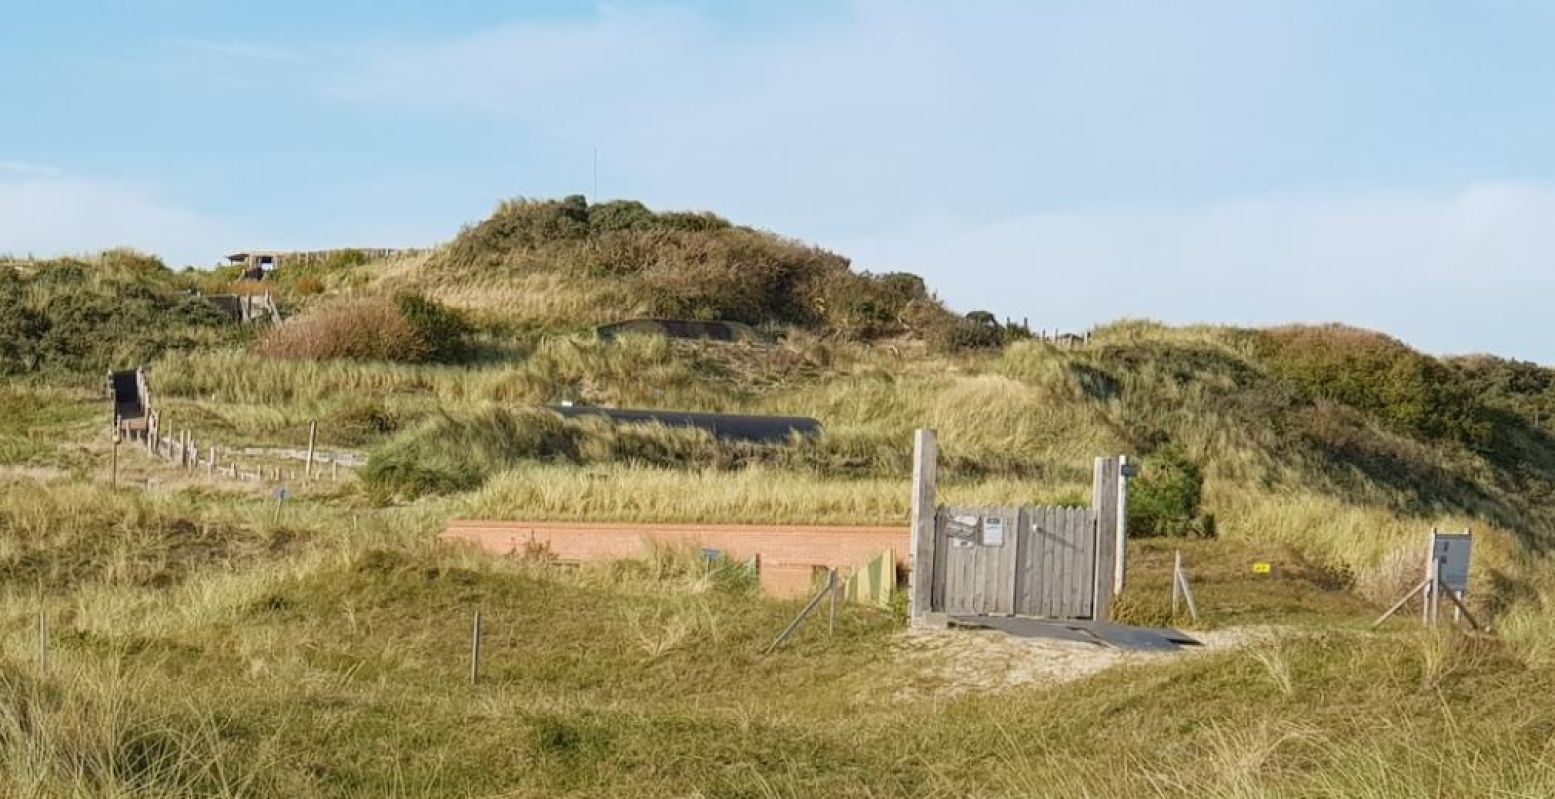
x=1044, y=562
x=1015, y=561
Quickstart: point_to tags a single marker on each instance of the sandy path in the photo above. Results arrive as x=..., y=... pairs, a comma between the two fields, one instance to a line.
x=957, y=661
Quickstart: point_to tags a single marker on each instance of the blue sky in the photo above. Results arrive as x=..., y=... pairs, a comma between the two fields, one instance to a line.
x=1386, y=164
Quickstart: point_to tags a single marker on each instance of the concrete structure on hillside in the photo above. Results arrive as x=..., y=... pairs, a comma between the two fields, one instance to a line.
x=246, y=308
x=729, y=426
x=681, y=328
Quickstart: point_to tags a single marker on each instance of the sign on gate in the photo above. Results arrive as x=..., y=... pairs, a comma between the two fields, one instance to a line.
x=962, y=530
x=993, y=532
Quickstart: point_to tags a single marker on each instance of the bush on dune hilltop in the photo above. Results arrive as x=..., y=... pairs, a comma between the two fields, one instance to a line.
x=405, y=328
x=695, y=266
x=86, y=315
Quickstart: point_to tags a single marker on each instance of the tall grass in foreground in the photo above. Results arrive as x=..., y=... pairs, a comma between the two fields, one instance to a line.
x=311, y=670
x=92, y=731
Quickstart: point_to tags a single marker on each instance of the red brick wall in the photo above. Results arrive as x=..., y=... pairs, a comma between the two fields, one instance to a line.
x=786, y=553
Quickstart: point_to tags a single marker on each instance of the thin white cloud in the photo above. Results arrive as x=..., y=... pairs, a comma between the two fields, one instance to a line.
x=25, y=169
x=48, y=216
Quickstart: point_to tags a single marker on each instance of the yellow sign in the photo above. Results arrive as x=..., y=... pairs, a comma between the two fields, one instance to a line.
x=1261, y=568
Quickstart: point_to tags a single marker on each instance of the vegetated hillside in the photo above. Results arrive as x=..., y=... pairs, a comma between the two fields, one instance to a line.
x=208, y=639
x=569, y=264
x=1344, y=443
x=87, y=315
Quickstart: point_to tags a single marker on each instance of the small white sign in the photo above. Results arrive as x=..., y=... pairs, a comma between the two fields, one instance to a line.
x=993, y=531
x=961, y=527
x=1451, y=553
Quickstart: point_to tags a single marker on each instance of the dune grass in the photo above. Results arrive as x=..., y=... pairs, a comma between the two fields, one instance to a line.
x=206, y=640
x=1343, y=488
x=339, y=668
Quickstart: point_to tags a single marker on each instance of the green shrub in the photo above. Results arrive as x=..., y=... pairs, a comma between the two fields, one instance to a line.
x=118, y=310
x=441, y=328
x=362, y=420
x=1164, y=498
x=863, y=306
x=456, y=452
x=21, y=327
x=946, y=332
x=1413, y=393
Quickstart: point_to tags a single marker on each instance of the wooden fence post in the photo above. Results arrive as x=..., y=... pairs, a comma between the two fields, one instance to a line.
x=1180, y=580
x=925, y=470
x=1176, y=583
x=313, y=433
x=831, y=620
x=475, y=650
x=1104, y=504
x=43, y=632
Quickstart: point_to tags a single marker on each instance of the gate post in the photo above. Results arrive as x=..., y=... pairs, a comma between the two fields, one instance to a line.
x=1105, y=506
x=1120, y=557
x=920, y=581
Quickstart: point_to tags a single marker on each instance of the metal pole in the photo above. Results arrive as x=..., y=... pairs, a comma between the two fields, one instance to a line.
x=113, y=478
x=794, y=625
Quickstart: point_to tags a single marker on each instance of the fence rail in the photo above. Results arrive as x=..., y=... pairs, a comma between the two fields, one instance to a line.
x=187, y=451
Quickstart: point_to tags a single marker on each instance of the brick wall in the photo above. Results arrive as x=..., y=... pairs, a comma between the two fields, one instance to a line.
x=787, y=555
